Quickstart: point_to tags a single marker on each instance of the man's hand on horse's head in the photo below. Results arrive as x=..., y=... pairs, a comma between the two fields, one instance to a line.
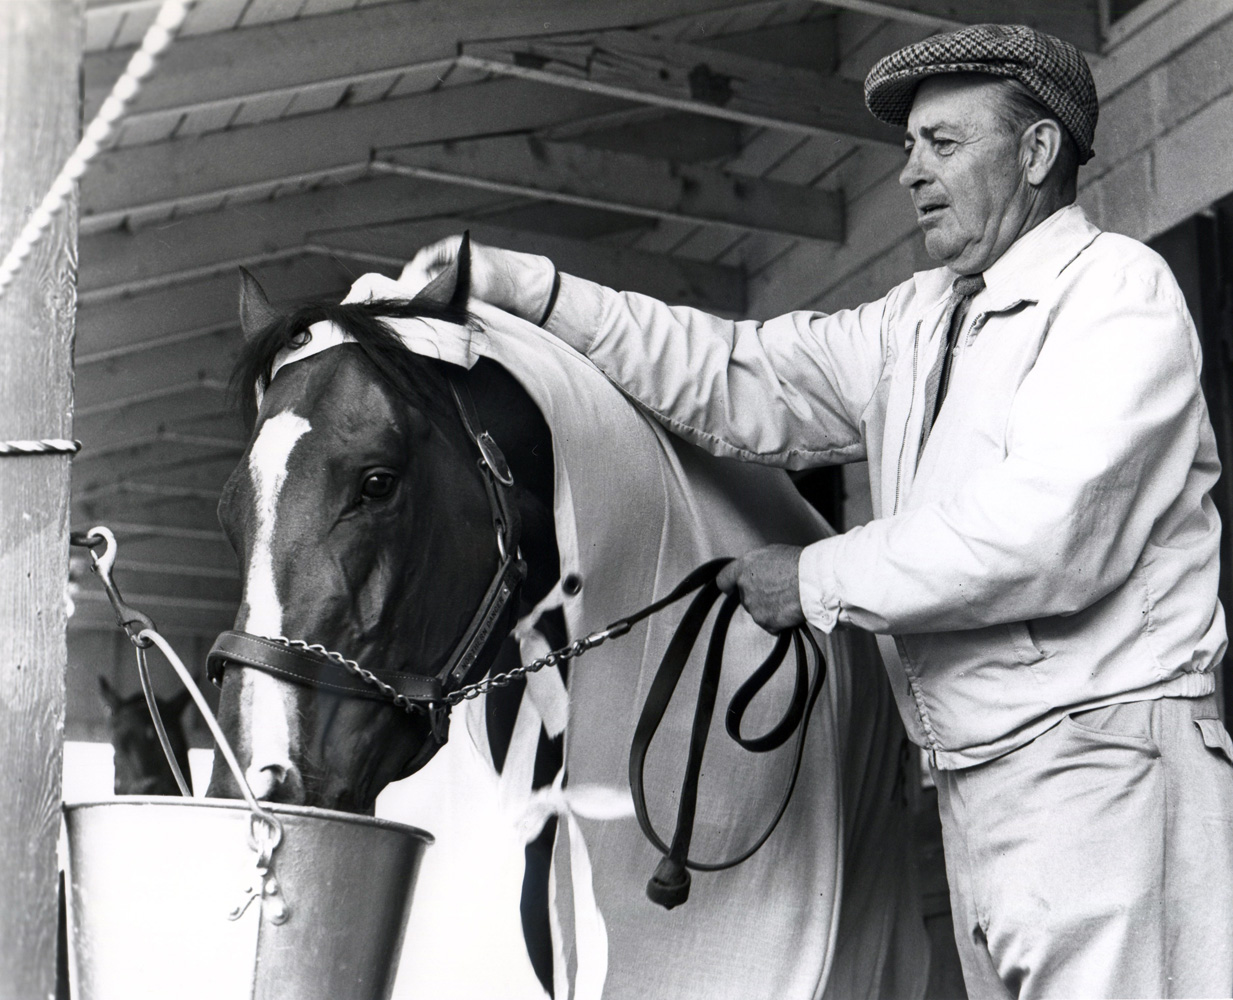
x=766, y=580
x=519, y=283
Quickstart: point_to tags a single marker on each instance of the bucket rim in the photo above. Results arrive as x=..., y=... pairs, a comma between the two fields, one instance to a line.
x=279, y=808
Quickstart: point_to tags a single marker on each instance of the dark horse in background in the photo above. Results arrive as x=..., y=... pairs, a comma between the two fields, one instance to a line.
x=372, y=535
x=141, y=765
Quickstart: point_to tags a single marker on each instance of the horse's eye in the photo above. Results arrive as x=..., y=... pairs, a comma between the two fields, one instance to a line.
x=378, y=485
x=297, y=340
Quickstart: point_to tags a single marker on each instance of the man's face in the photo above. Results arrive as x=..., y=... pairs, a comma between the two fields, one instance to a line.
x=964, y=172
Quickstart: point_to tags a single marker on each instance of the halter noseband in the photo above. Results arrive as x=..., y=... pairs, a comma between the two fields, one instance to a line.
x=471, y=656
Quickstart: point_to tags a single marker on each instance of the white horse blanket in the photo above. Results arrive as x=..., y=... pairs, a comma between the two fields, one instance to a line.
x=827, y=908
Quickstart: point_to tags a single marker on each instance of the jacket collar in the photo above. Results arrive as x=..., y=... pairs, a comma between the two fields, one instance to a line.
x=1034, y=260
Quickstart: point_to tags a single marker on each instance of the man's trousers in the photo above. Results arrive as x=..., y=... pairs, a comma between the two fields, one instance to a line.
x=1097, y=860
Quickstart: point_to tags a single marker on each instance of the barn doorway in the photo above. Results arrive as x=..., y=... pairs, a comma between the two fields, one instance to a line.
x=1200, y=252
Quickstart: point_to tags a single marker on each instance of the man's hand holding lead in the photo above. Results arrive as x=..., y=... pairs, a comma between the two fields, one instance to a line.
x=766, y=580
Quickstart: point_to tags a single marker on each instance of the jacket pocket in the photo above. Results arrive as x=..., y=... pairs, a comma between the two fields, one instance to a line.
x=1216, y=737
x=1125, y=725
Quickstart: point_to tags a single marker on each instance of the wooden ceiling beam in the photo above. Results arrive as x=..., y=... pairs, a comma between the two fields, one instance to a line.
x=150, y=442
x=114, y=324
x=199, y=246
x=186, y=511
x=621, y=182
x=1077, y=21
x=632, y=66
x=672, y=279
x=157, y=605
x=165, y=173
x=209, y=359
x=177, y=409
x=183, y=467
x=343, y=221
x=306, y=51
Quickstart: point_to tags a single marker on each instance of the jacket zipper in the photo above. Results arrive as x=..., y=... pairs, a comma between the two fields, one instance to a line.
x=908, y=422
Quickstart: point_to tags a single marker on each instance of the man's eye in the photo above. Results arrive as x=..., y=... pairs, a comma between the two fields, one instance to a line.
x=944, y=146
x=378, y=485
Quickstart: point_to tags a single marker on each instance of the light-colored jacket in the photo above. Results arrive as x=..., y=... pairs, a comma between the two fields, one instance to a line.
x=1052, y=548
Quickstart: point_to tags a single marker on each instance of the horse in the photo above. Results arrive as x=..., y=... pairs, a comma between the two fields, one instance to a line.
x=141, y=765
x=381, y=539
x=371, y=513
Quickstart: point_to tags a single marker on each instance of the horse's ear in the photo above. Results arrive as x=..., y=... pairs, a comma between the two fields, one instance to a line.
x=256, y=313
x=110, y=698
x=450, y=289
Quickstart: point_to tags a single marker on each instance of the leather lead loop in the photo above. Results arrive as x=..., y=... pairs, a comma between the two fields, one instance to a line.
x=669, y=886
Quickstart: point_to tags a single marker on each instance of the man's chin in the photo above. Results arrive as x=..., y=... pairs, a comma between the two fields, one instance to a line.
x=939, y=248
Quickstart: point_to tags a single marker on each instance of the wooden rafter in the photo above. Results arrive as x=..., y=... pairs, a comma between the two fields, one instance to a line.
x=199, y=306
x=672, y=279
x=1077, y=21
x=311, y=146
x=632, y=66
x=340, y=221
x=623, y=182
x=262, y=58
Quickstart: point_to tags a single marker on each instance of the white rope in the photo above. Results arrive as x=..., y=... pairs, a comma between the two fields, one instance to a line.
x=45, y=446
x=170, y=17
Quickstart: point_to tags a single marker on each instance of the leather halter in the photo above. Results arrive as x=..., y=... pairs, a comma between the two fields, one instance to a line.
x=471, y=655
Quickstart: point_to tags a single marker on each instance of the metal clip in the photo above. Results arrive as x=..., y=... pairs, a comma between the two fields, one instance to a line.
x=130, y=619
x=613, y=631
x=264, y=887
x=265, y=833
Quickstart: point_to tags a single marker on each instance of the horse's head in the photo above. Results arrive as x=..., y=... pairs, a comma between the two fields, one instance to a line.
x=141, y=766
x=362, y=524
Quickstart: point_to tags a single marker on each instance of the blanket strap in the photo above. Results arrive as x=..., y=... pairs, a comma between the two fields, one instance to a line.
x=669, y=886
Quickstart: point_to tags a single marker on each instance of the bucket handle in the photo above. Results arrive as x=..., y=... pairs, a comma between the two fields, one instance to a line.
x=265, y=831
x=271, y=823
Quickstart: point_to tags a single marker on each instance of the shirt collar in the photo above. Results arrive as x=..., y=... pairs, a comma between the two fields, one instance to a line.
x=1032, y=261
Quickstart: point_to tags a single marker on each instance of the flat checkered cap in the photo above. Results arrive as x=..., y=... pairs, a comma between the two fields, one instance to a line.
x=1053, y=70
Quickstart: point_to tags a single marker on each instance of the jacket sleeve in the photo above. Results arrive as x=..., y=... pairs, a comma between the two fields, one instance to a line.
x=1102, y=436
x=789, y=392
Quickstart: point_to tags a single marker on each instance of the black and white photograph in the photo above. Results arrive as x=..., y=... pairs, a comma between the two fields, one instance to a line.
x=616, y=499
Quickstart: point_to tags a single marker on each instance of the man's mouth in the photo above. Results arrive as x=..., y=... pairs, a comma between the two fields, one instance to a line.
x=929, y=209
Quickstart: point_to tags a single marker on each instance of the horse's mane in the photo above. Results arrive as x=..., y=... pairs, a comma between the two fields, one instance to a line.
x=414, y=378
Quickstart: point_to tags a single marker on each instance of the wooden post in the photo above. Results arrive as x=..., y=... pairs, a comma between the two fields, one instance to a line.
x=40, y=63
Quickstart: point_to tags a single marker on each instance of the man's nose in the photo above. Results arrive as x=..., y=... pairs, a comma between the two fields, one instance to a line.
x=913, y=171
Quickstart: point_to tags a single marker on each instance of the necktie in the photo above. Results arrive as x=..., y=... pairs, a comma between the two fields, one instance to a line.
x=966, y=286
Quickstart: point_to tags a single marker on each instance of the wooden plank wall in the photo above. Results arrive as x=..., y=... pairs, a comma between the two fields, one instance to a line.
x=40, y=61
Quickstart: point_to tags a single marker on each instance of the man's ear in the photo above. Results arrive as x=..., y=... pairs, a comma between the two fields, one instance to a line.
x=450, y=290
x=1040, y=146
x=256, y=313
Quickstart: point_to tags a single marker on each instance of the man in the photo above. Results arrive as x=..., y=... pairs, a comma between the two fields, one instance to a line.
x=1041, y=570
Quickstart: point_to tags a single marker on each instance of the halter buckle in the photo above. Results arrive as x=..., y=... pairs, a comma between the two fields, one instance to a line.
x=494, y=459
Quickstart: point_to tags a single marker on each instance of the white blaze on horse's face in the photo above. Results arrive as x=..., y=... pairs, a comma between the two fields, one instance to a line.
x=262, y=696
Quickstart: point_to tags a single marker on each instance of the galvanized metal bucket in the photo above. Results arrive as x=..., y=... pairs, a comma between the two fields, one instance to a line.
x=230, y=900
x=165, y=900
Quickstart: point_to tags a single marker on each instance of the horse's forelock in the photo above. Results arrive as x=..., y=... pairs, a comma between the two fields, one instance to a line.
x=411, y=376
